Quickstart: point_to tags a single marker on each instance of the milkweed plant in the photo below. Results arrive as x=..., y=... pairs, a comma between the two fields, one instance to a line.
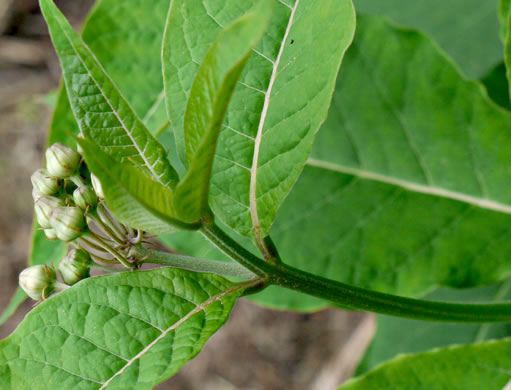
x=197, y=122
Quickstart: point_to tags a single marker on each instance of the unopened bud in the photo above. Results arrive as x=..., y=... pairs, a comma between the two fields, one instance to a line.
x=38, y=281
x=97, y=186
x=50, y=233
x=44, y=207
x=85, y=197
x=61, y=160
x=69, y=222
x=75, y=266
x=43, y=183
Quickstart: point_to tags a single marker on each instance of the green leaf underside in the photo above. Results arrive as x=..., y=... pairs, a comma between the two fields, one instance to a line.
x=281, y=99
x=210, y=94
x=102, y=113
x=479, y=366
x=127, y=330
x=132, y=197
x=472, y=40
x=395, y=336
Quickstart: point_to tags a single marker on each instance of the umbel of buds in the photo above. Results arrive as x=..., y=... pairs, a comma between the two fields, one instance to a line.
x=38, y=281
x=75, y=266
x=43, y=183
x=43, y=208
x=68, y=222
x=61, y=160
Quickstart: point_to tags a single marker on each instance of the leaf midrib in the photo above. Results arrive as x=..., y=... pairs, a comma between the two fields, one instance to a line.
x=144, y=158
x=256, y=226
x=411, y=186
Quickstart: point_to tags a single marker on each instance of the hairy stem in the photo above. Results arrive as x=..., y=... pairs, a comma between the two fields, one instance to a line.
x=355, y=298
x=192, y=263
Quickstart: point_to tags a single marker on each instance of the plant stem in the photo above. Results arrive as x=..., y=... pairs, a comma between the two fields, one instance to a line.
x=235, y=251
x=192, y=263
x=355, y=298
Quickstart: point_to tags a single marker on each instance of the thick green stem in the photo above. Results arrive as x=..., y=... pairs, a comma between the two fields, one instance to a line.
x=192, y=263
x=355, y=298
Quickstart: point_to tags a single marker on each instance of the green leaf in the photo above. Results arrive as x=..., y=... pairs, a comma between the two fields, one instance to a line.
x=102, y=113
x=401, y=115
x=128, y=330
x=504, y=8
x=480, y=366
x=395, y=336
x=468, y=30
x=276, y=109
x=132, y=197
x=207, y=104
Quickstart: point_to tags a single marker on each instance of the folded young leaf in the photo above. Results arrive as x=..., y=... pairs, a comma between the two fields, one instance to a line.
x=207, y=104
x=278, y=105
x=105, y=333
x=102, y=113
x=132, y=197
x=479, y=366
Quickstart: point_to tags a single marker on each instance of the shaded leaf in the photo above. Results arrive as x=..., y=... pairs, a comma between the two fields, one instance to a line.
x=105, y=332
x=468, y=30
x=280, y=102
x=209, y=97
x=132, y=197
x=478, y=366
x=102, y=113
x=504, y=8
x=497, y=87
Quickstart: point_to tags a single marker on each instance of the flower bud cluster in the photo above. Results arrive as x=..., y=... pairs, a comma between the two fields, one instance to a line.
x=68, y=206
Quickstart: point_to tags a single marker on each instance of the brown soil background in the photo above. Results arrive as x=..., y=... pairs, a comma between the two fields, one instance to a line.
x=258, y=349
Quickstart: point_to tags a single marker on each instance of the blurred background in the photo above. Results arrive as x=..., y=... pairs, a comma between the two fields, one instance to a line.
x=258, y=349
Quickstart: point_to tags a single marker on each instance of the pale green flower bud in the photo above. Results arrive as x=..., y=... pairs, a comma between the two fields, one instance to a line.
x=61, y=160
x=38, y=281
x=43, y=208
x=85, y=197
x=51, y=234
x=68, y=222
x=43, y=183
x=97, y=186
x=75, y=266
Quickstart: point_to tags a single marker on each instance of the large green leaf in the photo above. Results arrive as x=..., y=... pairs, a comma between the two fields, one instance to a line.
x=480, y=366
x=280, y=102
x=207, y=104
x=395, y=336
x=123, y=331
x=102, y=113
x=132, y=197
x=466, y=29
x=408, y=185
